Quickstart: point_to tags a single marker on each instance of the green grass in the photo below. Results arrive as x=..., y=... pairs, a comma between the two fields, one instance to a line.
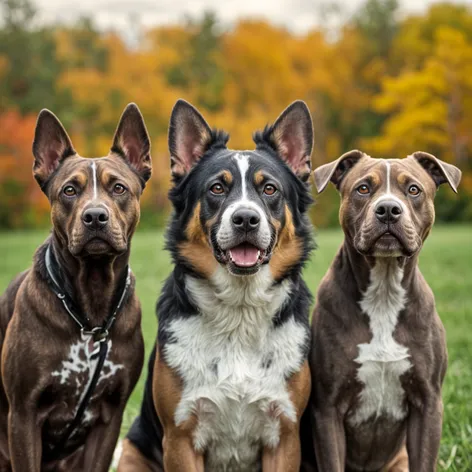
x=446, y=262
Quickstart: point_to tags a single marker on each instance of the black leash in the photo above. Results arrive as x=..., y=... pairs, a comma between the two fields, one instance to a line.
x=99, y=334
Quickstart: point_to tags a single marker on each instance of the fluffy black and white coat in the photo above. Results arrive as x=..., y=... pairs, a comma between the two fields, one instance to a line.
x=233, y=314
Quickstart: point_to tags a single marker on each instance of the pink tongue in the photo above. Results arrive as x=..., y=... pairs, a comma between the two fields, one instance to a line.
x=244, y=255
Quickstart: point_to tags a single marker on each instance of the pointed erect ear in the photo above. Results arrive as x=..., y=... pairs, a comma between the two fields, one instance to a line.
x=189, y=138
x=50, y=146
x=440, y=171
x=291, y=136
x=131, y=142
x=335, y=171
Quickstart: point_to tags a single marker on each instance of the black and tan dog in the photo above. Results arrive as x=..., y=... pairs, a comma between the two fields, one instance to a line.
x=230, y=377
x=72, y=322
x=378, y=356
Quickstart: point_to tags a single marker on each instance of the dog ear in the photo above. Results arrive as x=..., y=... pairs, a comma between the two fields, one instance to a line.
x=189, y=138
x=51, y=145
x=336, y=170
x=132, y=143
x=440, y=171
x=291, y=136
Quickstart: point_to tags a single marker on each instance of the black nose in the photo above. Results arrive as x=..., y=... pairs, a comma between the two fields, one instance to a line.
x=95, y=218
x=388, y=211
x=246, y=220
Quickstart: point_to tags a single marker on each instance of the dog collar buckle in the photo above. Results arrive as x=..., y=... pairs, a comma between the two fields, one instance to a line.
x=98, y=334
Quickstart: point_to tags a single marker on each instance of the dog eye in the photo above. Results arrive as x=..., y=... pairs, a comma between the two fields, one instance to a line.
x=270, y=189
x=119, y=189
x=414, y=190
x=217, y=189
x=69, y=191
x=363, y=189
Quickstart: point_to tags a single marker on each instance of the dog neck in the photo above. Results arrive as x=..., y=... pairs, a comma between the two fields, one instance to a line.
x=239, y=307
x=358, y=271
x=92, y=282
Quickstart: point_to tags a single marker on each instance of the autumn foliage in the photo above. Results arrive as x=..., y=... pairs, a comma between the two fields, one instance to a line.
x=385, y=85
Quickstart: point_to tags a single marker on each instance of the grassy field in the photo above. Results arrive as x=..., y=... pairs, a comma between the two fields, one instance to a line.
x=446, y=262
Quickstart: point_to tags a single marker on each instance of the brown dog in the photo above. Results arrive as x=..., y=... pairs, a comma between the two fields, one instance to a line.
x=378, y=356
x=70, y=326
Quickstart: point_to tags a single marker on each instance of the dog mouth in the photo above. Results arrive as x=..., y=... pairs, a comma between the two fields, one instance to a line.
x=387, y=236
x=392, y=243
x=97, y=246
x=244, y=258
x=245, y=255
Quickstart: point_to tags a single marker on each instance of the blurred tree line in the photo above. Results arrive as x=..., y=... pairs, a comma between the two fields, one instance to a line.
x=387, y=85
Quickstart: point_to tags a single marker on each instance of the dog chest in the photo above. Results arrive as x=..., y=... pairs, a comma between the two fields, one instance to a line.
x=76, y=371
x=237, y=390
x=382, y=361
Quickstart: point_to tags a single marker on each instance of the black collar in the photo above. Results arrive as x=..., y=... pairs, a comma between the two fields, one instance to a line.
x=99, y=333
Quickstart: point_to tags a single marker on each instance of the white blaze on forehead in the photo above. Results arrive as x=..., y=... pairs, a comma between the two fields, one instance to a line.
x=387, y=164
x=93, y=166
x=243, y=165
x=388, y=195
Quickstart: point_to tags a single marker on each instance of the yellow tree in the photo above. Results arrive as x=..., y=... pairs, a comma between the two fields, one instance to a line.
x=431, y=108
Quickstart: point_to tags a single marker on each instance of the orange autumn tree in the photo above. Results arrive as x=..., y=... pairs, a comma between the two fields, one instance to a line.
x=384, y=84
x=23, y=203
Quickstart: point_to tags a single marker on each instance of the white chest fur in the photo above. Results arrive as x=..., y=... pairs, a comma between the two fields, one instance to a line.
x=234, y=365
x=78, y=368
x=382, y=361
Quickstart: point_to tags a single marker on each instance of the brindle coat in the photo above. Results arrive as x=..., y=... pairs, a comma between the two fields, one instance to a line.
x=343, y=438
x=42, y=385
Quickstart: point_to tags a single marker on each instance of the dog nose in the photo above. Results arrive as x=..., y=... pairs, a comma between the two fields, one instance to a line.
x=95, y=218
x=388, y=211
x=246, y=220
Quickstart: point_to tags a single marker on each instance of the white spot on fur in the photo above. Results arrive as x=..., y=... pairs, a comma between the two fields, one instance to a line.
x=234, y=364
x=82, y=361
x=382, y=361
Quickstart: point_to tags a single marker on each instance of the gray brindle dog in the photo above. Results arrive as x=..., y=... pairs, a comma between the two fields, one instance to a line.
x=379, y=356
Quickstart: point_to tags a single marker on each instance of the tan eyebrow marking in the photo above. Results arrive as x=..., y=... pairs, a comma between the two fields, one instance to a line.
x=375, y=178
x=80, y=178
x=107, y=177
x=227, y=177
x=258, y=177
x=403, y=178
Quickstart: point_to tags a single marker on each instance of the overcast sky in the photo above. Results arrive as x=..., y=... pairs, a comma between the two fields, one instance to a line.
x=298, y=15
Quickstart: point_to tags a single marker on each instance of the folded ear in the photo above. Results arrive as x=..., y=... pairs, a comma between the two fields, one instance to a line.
x=132, y=143
x=335, y=171
x=190, y=137
x=440, y=171
x=291, y=136
x=51, y=145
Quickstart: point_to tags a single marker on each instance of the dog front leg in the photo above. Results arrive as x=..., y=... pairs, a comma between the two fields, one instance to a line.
x=132, y=460
x=177, y=444
x=329, y=440
x=101, y=442
x=424, y=435
x=179, y=453
x=286, y=457
x=24, y=440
